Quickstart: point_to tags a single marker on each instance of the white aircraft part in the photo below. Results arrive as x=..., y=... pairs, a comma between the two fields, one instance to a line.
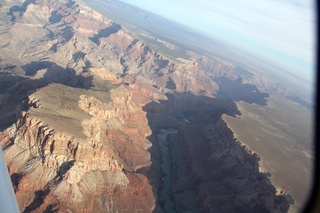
x=8, y=202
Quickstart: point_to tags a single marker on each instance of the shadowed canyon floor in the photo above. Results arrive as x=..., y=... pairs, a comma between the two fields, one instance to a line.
x=210, y=169
x=96, y=116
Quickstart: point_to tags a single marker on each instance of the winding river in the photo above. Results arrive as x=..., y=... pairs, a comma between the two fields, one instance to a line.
x=166, y=169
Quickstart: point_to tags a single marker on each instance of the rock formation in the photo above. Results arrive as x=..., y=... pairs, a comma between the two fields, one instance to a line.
x=81, y=102
x=80, y=156
x=211, y=170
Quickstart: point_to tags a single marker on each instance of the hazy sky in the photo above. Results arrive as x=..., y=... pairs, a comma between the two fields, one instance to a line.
x=281, y=31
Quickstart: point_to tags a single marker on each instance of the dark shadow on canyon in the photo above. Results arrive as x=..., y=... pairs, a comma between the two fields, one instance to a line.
x=14, y=92
x=39, y=197
x=19, y=9
x=15, y=89
x=209, y=167
x=57, y=15
x=236, y=90
x=114, y=28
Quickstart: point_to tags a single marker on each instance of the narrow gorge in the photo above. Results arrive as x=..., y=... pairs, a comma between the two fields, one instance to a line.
x=93, y=118
x=210, y=169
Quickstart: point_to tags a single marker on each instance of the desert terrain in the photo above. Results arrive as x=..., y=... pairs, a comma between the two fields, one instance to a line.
x=101, y=114
x=281, y=133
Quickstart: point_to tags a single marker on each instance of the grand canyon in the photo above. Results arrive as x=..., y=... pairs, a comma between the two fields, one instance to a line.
x=97, y=116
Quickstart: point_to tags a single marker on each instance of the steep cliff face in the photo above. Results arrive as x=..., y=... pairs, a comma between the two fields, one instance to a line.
x=82, y=101
x=220, y=173
x=79, y=169
x=210, y=170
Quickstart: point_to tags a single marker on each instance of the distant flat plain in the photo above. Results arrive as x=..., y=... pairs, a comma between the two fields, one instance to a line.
x=281, y=133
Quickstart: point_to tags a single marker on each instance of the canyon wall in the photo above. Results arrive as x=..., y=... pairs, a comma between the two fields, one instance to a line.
x=215, y=173
x=81, y=103
x=210, y=170
x=95, y=171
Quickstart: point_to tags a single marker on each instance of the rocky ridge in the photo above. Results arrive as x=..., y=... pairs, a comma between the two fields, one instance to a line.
x=63, y=165
x=211, y=170
x=81, y=102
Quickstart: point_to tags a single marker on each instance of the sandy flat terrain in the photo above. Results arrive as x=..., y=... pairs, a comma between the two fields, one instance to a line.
x=281, y=133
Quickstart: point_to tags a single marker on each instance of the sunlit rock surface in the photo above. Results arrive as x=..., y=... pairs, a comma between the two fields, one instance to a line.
x=82, y=100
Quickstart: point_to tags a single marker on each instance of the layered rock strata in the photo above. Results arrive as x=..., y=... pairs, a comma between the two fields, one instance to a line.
x=93, y=171
x=210, y=170
x=81, y=100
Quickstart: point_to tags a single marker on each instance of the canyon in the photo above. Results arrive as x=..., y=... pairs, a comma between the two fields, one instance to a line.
x=94, y=118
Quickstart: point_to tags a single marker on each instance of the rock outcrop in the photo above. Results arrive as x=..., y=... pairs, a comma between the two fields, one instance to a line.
x=81, y=103
x=217, y=170
x=81, y=171
x=211, y=170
